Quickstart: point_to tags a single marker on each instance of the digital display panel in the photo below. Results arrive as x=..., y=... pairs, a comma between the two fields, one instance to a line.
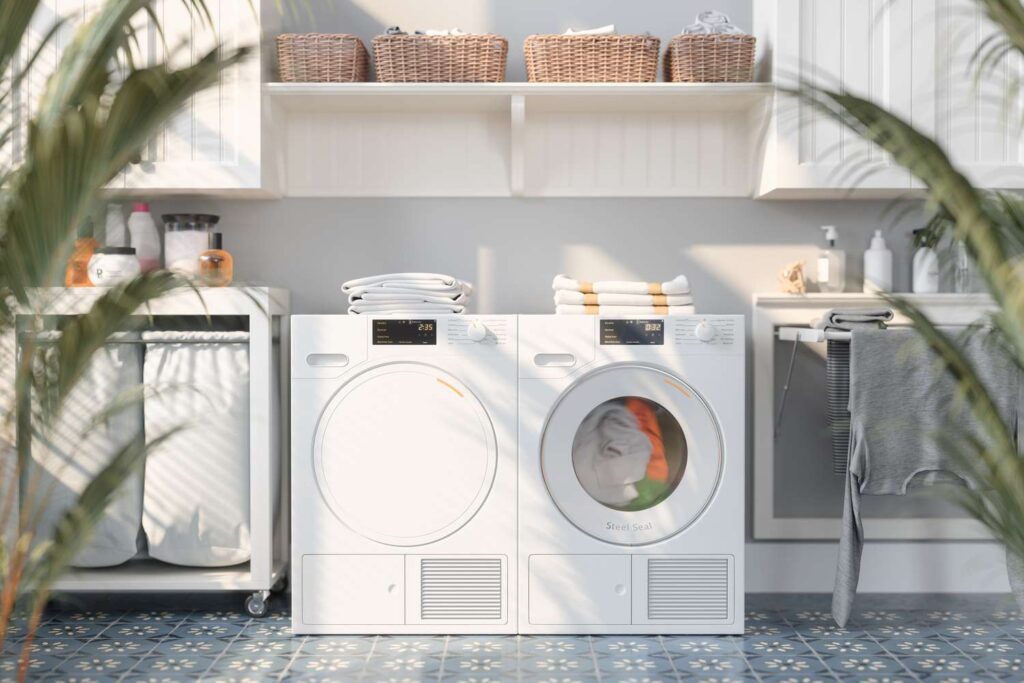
x=405, y=332
x=634, y=332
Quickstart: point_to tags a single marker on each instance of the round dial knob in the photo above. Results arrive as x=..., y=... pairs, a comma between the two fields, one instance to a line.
x=704, y=331
x=476, y=331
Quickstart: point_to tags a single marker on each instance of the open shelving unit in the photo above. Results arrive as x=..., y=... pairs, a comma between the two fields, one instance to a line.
x=520, y=139
x=265, y=310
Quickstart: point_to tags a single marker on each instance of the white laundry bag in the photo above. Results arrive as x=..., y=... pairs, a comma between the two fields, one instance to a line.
x=68, y=456
x=196, y=501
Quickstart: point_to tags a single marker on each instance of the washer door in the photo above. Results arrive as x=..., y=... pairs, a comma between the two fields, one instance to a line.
x=405, y=454
x=631, y=454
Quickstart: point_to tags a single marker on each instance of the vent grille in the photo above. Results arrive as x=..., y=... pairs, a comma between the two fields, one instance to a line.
x=683, y=589
x=462, y=589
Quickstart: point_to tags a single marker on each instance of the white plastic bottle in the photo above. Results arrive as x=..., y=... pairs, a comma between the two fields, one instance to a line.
x=877, y=266
x=831, y=263
x=145, y=237
x=115, y=232
x=925, y=270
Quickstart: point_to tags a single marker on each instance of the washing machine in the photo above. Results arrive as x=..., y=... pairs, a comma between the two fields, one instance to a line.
x=631, y=461
x=403, y=474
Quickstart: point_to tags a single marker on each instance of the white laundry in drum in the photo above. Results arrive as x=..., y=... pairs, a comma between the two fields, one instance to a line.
x=610, y=454
x=196, y=503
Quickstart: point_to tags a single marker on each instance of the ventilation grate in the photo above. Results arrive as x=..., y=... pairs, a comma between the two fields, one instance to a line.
x=681, y=589
x=461, y=589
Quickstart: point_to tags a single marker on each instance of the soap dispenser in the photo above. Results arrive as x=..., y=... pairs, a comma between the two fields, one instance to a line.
x=831, y=263
x=877, y=266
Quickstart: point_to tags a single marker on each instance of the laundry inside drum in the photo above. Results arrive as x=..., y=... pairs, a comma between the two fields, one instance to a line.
x=629, y=453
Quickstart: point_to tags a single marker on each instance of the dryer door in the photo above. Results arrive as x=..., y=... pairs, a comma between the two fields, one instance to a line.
x=405, y=454
x=631, y=454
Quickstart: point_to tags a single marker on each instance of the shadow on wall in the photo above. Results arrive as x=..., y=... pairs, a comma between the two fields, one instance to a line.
x=514, y=20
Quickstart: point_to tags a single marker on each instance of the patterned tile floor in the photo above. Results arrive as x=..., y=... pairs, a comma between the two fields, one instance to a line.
x=789, y=638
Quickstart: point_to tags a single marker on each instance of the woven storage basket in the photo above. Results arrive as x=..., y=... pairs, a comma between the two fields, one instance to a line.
x=322, y=58
x=714, y=58
x=591, y=59
x=440, y=59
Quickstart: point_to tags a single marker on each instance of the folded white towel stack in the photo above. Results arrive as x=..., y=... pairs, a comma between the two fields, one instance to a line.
x=575, y=297
x=402, y=293
x=608, y=30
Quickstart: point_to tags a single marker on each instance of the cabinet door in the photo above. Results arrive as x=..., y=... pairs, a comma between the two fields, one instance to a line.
x=213, y=143
x=872, y=48
x=977, y=122
x=73, y=14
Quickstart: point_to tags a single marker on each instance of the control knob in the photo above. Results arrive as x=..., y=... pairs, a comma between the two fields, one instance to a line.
x=476, y=331
x=704, y=331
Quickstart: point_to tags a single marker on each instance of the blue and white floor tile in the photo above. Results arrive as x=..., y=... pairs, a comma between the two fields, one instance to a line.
x=790, y=639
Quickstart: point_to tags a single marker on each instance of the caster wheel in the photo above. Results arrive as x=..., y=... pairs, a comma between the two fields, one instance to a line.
x=256, y=605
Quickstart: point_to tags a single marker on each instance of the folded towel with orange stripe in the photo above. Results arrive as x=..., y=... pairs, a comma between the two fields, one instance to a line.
x=569, y=309
x=677, y=285
x=619, y=297
x=570, y=297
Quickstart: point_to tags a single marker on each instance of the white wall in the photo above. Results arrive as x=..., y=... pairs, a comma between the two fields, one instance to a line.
x=511, y=248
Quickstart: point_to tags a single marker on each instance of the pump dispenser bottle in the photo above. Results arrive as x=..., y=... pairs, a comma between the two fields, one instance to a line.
x=831, y=263
x=877, y=266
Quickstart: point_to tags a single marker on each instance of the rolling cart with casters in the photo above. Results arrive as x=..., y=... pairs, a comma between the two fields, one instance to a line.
x=263, y=312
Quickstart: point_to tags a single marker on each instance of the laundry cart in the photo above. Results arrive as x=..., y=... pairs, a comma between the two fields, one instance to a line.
x=209, y=509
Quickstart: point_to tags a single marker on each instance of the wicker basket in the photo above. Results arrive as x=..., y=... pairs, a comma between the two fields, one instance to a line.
x=710, y=58
x=591, y=59
x=440, y=59
x=322, y=58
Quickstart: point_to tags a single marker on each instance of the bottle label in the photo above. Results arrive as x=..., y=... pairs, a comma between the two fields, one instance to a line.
x=823, y=269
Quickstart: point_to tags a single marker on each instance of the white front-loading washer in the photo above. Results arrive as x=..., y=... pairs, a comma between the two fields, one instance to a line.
x=631, y=490
x=403, y=474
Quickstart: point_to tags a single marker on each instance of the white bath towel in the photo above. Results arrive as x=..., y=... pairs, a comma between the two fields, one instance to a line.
x=568, y=296
x=380, y=295
x=432, y=282
x=401, y=307
x=610, y=454
x=570, y=309
x=196, y=500
x=677, y=285
x=69, y=456
x=608, y=30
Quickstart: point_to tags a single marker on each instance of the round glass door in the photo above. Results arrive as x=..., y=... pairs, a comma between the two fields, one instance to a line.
x=405, y=454
x=631, y=454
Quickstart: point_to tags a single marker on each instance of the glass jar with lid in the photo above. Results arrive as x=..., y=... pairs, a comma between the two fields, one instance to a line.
x=186, y=237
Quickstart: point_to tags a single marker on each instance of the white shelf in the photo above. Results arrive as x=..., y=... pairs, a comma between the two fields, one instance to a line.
x=520, y=139
x=615, y=96
x=150, y=575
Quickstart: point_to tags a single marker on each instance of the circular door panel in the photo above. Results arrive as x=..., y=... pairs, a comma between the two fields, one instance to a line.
x=405, y=454
x=631, y=454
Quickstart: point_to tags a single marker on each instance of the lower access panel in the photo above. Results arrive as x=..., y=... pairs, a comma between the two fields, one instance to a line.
x=579, y=589
x=353, y=589
x=682, y=589
x=457, y=589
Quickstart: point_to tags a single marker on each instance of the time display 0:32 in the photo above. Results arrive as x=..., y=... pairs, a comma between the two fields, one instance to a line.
x=405, y=332
x=633, y=332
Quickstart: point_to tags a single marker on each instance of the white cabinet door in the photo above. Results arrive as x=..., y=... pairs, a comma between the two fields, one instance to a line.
x=872, y=48
x=25, y=105
x=915, y=57
x=214, y=143
x=978, y=123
